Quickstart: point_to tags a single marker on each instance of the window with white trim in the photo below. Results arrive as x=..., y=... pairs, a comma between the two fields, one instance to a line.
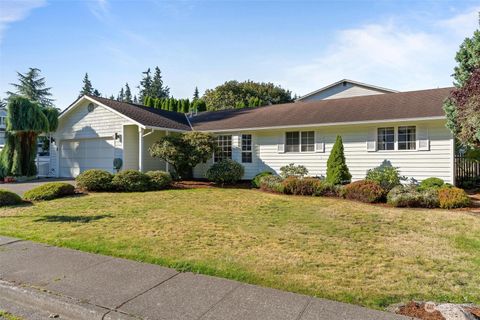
x=407, y=139
x=224, y=148
x=386, y=138
x=308, y=141
x=247, y=148
x=297, y=141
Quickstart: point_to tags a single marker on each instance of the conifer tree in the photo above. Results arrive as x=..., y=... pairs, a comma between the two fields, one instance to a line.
x=196, y=94
x=32, y=87
x=158, y=90
x=121, y=95
x=87, y=86
x=145, y=86
x=96, y=93
x=135, y=99
x=337, y=170
x=128, y=94
x=112, y=97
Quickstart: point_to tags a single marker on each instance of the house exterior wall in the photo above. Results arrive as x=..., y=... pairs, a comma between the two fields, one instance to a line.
x=130, y=147
x=341, y=91
x=418, y=164
x=150, y=163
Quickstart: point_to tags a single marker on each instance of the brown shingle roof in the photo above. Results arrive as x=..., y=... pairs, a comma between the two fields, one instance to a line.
x=402, y=105
x=148, y=116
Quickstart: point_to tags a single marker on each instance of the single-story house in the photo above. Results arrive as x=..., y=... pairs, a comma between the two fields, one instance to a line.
x=405, y=128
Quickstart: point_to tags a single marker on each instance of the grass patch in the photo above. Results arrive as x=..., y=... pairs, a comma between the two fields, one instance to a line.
x=325, y=247
x=8, y=316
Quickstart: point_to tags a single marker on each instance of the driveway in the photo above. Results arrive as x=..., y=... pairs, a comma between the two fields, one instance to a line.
x=21, y=187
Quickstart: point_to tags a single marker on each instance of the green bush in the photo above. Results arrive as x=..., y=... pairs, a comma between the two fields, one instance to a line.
x=131, y=181
x=272, y=184
x=410, y=196
x=292, y=170
x=337, y=170
x=258, y=177
x=49, y=191
x=301, y=186
x=159, y=179
x=225, y=171
x=431, y=183
x=94, y=180
x=8, y=198
x=385, y=175
x=325, y=189
x=450, y=198
x=365, y=191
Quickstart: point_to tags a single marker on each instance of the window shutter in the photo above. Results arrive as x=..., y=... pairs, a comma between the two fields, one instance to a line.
x=372, y=140
x=319, y=143
x=423, y=140
x=281, y=148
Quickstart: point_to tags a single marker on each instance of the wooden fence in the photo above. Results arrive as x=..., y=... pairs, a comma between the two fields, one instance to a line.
x=466, y=171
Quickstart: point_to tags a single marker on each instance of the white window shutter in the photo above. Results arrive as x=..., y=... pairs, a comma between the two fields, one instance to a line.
x=372, y=141
x=319, y=143
x=423, y=140
x=281, y=148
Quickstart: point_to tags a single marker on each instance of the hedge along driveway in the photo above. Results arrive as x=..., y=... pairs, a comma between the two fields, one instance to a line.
x=327, y=247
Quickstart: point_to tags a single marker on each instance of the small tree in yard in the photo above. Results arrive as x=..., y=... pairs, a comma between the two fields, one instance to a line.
x=337, y=170
x=184, y=151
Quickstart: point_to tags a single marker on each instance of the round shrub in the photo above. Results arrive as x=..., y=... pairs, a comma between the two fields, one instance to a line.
x=49, y=191
x=450, y=198
x=431, y=183
x=258, y=177
x=323, y=188
x=364, y=190
x=271, y=183
x=94, y=180
x=131, y=181
x=300, y=186
x=410, y=196
x=225, y=171
x=8, y=198
x=159, y=179
x=292, y=170
x=385, y=175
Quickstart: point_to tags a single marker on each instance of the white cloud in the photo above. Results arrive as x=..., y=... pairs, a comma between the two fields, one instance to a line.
x=390, y=55
x=100, y=9
x=12, y=11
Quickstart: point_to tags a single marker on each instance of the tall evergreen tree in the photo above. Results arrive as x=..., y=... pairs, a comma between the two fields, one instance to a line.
x=112, y=97
x=135, y=99
x=337, y=170
x=87, y=86
x=196, y=94
x=121, y=95
x=32, y=86
x=128, y=94
x=145, y=87
x=96, y=93
x=158, y=90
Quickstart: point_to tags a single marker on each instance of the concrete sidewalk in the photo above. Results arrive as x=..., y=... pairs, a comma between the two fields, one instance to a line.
x=78, y=285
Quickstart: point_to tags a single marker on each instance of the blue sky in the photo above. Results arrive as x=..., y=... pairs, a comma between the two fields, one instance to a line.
x=300, y=45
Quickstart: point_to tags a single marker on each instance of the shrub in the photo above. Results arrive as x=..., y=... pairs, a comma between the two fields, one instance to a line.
x=292, y=170
x=49, y=191
x=450, y=198
x=94, y=180
x=271, y=183
x=385, y=175
x=365, y=191
x=8, y=198
x=431, y=183
x=258, y=177
x=337, y=170
x=159, y=179
x=323, y=188
x=301, y=186
x=131, y=181
x=410, y=196
x=225, y=171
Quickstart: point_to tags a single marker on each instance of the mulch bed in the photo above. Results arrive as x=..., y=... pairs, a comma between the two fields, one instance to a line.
x=418, y=310
x=196, y=184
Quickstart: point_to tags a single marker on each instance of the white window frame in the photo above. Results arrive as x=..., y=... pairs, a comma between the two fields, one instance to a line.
x=300, y=141
x=396, y=139
x=415, y=139
x=231, y=146
x=246, y=151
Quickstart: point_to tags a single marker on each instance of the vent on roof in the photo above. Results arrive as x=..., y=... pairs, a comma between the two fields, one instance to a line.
x=90, y=107
x=344, y=83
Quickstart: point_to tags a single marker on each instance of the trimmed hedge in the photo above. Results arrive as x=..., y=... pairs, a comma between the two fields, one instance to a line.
x=159, y=179
x=451, y=197
x=50, y=191
x=385, y=175
x=301, y=186
x=431, y=183
x=410, y=196
x=271, y=183
x=258, y=177
x=225, y=171
x=131, y=181
x=94, y=180
x=8, y=198
x=364, y=190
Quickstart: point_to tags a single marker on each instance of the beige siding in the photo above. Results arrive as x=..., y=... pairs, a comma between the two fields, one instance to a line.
x=130, y=147
x=150, y=163
x=341, y=91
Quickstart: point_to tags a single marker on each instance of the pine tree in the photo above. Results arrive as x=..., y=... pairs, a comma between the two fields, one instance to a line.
x=96, y=93
x=196, y=94
x=32, y=87
x=135, y=100
x=337, y=170
x=121, y=95
x=128, y=94
x=87, y=86
x=145, y=86
x=158, y=90
x=112, y=97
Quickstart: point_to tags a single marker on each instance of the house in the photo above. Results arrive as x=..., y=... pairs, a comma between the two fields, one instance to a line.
x=405, y=128
x=3, y=125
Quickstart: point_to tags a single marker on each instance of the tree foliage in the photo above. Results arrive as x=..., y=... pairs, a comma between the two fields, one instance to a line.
x=337, y=170
x=33, y=87
x=184, y=151
x=87, y=86
x=468, y=58
x=153, y=87
x=128, y=94
x=234, y=94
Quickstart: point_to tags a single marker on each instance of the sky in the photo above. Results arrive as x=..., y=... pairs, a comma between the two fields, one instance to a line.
x=299, y=45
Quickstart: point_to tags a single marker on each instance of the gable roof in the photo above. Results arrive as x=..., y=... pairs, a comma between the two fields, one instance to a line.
x=425, y=104
x=357, y=83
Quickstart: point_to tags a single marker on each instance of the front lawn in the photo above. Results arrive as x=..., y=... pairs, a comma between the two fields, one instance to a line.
x=327, y=247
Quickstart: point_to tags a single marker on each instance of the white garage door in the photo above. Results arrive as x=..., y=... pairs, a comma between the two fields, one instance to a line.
x=77, y=156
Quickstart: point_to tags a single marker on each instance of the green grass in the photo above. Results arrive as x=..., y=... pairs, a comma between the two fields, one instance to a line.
x=8, y=316
x=325, y=247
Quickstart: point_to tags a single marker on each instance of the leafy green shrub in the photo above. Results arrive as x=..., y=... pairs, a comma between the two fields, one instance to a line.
x=159, y=179
x=292, y=170
x=431, y=183
x=271, y=183
x=94, y=180
x=430, y=198
x=410, y=196
x=225, y=171
x=131, y=181
x=365, y=191
x=385, y=175
x=337, y=170
x=301, y=186
x=450, y=198
x=323, y=188
x=258, y=177
x=8, y=198
x=49, y=191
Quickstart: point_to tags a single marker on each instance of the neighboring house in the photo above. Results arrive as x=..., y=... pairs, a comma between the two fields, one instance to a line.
x=344, y=89
x=407, y=129
x=3, y=117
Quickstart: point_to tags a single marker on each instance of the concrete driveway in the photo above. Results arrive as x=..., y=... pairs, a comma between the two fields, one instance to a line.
x=21, y=187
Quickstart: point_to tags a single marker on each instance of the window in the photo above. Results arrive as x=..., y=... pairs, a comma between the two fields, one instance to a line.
x=300, y=141
x=406, y=138
x=224, y=151
x=246, y=148
x=386, y=138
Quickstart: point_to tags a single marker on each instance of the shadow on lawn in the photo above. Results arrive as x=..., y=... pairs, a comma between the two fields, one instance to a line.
x=80, y=219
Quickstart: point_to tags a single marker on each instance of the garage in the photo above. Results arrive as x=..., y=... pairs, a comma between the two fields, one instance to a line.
x=79, y=155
